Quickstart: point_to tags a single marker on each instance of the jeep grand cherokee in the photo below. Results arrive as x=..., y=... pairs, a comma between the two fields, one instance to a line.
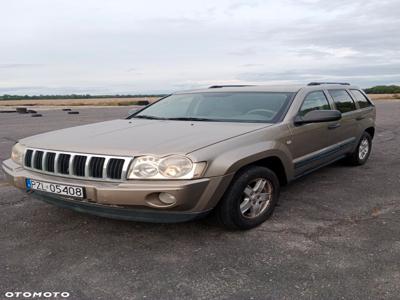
x=227, y=148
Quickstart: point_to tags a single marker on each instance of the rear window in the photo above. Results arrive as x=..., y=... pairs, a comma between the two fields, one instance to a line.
x=361, y=99
x=342, y=100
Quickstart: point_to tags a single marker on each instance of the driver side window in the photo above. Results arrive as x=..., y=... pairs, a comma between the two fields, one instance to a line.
x=314, y=101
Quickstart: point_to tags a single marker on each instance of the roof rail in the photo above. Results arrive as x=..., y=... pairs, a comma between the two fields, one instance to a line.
x=319, y=83
x=229, y=85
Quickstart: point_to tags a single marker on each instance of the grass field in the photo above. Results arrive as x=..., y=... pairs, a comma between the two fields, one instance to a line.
x=384, y=96
x=77, y=102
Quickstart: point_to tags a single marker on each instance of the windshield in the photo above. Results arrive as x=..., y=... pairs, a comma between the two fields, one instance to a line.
x=266, y=107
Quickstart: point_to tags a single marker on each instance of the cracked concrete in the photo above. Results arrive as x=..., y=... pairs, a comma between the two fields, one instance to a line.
x=335, y=234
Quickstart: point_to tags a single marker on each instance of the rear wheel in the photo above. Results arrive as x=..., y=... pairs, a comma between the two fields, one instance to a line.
x=362, y=152
x=250, y=199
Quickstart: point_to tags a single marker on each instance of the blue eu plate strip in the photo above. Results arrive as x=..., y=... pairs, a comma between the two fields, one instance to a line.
x=28, y=184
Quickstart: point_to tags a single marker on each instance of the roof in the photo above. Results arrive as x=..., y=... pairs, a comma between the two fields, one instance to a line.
x=267, y=88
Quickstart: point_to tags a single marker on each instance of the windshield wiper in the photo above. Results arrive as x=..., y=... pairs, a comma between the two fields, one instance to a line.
x=149, y=117
x=189, y=119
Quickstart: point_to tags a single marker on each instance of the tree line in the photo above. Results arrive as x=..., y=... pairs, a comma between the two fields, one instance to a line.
x=379, y=89
x=383, y=89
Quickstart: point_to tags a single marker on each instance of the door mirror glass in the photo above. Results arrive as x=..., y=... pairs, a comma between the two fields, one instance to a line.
x=318, y=116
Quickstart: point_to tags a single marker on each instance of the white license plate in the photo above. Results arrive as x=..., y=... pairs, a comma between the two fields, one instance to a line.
x=55, y=188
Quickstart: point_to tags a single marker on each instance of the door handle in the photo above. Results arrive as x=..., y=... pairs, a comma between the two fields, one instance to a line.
x=359, y=118
x=333, y=126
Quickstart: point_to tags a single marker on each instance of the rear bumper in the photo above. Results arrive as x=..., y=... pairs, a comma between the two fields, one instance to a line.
x=129, y=200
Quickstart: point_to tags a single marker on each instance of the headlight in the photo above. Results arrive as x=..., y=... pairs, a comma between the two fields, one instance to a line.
x=169, y=167
x=17, y=153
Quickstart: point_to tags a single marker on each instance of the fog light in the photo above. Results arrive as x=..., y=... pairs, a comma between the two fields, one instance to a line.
x=167, y=198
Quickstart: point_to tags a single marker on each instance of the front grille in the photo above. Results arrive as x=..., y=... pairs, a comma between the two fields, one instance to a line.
x=49, y=162
x=28, y=158
x=114, y=168
x=96, y=167
x=38, y=160
x=77, y=165
x=63, y=163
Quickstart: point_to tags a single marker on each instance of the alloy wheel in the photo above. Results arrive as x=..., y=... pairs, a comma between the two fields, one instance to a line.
x=257, y=197
x=363, y=149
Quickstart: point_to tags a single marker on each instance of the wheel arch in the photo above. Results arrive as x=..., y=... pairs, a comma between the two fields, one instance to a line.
x=274, y=161
x=370, y=131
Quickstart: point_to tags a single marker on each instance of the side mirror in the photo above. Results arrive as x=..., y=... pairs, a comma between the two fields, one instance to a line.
x=318, y=116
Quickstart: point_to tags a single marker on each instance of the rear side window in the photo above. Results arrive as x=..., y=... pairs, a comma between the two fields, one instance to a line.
x=314, y=101
x=361, y=99
x=343, y=101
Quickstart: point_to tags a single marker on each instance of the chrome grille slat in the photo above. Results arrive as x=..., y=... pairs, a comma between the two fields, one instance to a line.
x=56, y=163
x=125, y=168
x=71, y=164
x=87, y=173
x=104, y=171
x=77, y=165
x=44, y=161
x=33, y=158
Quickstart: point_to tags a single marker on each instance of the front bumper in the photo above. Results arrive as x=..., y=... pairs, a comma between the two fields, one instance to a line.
x=129, y=200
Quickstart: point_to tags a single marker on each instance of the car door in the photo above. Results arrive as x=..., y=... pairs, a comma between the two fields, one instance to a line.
x=344, y=135
x=310, y=142
x=365, y=114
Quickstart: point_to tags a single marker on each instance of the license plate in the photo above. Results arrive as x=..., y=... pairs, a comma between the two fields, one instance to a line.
x=55, y=188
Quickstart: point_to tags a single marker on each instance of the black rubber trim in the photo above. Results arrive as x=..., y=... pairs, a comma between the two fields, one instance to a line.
x=120, y=213
x=323, y=155
x=308, y=171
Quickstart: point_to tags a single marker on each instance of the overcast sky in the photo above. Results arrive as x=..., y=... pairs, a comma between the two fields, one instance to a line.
x=103, y=47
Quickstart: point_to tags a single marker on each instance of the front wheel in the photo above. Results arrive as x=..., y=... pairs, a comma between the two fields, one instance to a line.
x=362, y=152
x=250, y=199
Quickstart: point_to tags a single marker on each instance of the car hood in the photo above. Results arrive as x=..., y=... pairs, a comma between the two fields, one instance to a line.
x=138, y=136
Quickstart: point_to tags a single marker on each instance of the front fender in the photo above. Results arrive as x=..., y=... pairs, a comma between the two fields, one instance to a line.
x=229, y=156
x=256, y=152
x=228, y=162
x=231, y=161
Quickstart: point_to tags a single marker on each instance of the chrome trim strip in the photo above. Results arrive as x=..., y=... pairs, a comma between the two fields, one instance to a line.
x=56, y=163
x=33, y=157
x=127, y=161
x=105, y=164
x=88, y=159
x=44, y=161
x=71, y=164
x=124, y=173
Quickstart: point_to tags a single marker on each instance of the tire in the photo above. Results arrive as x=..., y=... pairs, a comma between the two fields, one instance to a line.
x=241, y=194
x=362, y=151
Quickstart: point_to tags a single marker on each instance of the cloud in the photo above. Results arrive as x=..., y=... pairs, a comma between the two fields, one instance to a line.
x=125, y=46
x=363, y=75
x=14, y=66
